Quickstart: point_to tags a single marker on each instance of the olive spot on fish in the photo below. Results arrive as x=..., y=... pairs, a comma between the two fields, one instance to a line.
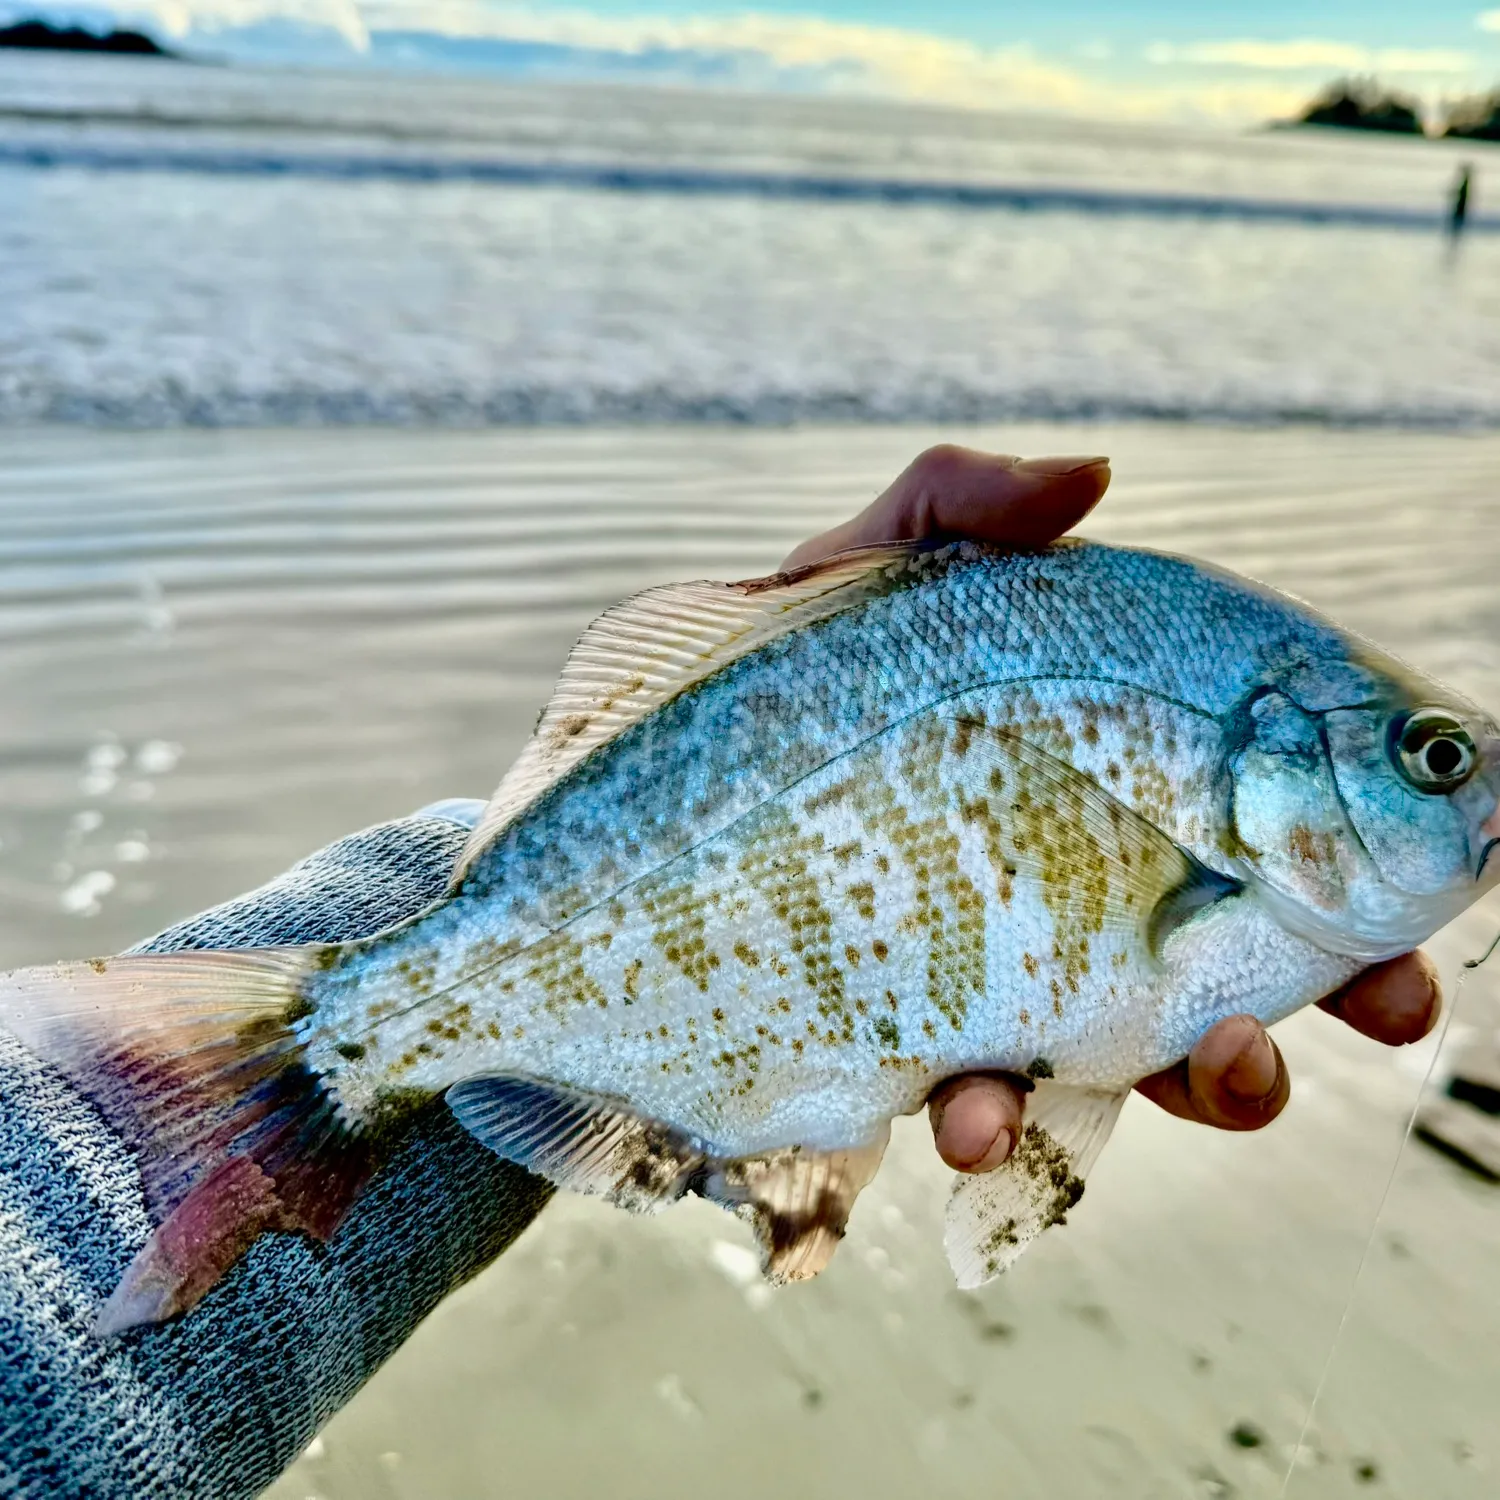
x=1025, y=1018
x=861, y=1007
x=747, y=955
x=880, y=950
x=830, y=796
x=890, y=999
x=852, y=954
x=863, y=897
x=882, y=864
x=1040, y=1068
x=99, y=966
x=1030, y=965
x=633, y=980
x=297, y=1010
x=929, y=1029
x=784, y=1005
x=351, y=1050
x=573, y=725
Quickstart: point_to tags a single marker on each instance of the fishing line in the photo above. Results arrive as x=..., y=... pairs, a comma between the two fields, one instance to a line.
x=1390, y=1182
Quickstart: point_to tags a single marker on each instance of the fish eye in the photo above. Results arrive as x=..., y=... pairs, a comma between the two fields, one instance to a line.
x=1433, y=750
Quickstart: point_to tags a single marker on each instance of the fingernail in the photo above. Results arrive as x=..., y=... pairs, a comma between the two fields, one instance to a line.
x=1058, y=468
x=1252, y=1075
x=1000, y=1149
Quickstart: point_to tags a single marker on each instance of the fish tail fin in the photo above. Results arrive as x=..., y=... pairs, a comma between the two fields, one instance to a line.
x=194, y=1059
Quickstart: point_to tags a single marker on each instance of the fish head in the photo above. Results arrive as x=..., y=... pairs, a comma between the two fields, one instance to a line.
x=1365, y=803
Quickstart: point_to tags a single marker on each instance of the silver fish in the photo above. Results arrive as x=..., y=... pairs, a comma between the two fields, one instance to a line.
x=784, y=855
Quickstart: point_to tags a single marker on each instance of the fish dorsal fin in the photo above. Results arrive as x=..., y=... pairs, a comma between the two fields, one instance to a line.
x=651, y=647
x=994, y=1216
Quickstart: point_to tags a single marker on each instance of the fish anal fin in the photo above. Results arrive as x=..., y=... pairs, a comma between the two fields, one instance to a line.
x=585, y=1142
x=993, y=1216
x=646, y=650
x=798, y=1201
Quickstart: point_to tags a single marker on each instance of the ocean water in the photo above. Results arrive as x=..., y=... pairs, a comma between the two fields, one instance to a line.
x=205, y=245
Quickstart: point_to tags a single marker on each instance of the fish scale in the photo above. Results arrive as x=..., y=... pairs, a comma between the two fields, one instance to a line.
x=781, y=857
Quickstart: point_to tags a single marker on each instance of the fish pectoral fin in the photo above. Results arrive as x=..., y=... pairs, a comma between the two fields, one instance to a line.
x=586, y=1142
x=798, y=1200
x=993, y=1216
x=1128, y=877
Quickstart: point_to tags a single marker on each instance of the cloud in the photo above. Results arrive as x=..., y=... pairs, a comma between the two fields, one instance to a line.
x=1310, y=54
x=1488, y=20
x=840, y=56
x=790, y=51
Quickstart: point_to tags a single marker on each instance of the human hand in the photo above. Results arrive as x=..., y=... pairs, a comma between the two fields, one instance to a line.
x=1235, y=1078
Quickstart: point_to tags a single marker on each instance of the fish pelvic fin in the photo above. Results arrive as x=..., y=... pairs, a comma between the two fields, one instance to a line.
x=994, y=1216
x=797, y=1199
x=194, y=1060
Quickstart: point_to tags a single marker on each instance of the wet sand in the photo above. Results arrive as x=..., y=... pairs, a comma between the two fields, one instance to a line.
x=219, y=650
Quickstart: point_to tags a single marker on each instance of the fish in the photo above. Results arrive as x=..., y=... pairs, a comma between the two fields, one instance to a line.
x=783, y=855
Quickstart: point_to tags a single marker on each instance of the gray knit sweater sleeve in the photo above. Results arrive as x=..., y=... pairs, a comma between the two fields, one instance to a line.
x=216, y=1405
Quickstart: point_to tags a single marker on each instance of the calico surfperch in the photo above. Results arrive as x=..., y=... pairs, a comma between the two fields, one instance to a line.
x=782, y=856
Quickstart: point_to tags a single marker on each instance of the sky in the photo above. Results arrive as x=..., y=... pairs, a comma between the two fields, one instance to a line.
x=1155, y=58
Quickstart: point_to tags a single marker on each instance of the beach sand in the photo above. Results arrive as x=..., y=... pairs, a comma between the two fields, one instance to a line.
x=221, y=649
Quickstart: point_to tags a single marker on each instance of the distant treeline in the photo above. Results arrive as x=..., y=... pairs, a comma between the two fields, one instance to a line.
x=39, y=36
x=1365, y=104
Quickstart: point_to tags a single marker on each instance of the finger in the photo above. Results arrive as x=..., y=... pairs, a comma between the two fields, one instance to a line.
x=1397, y=1002
x=1234, y=1079
x=976, y=1120
x=957, y=492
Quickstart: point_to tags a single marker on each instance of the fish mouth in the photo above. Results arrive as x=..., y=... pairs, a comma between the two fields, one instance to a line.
x=1484, y=856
